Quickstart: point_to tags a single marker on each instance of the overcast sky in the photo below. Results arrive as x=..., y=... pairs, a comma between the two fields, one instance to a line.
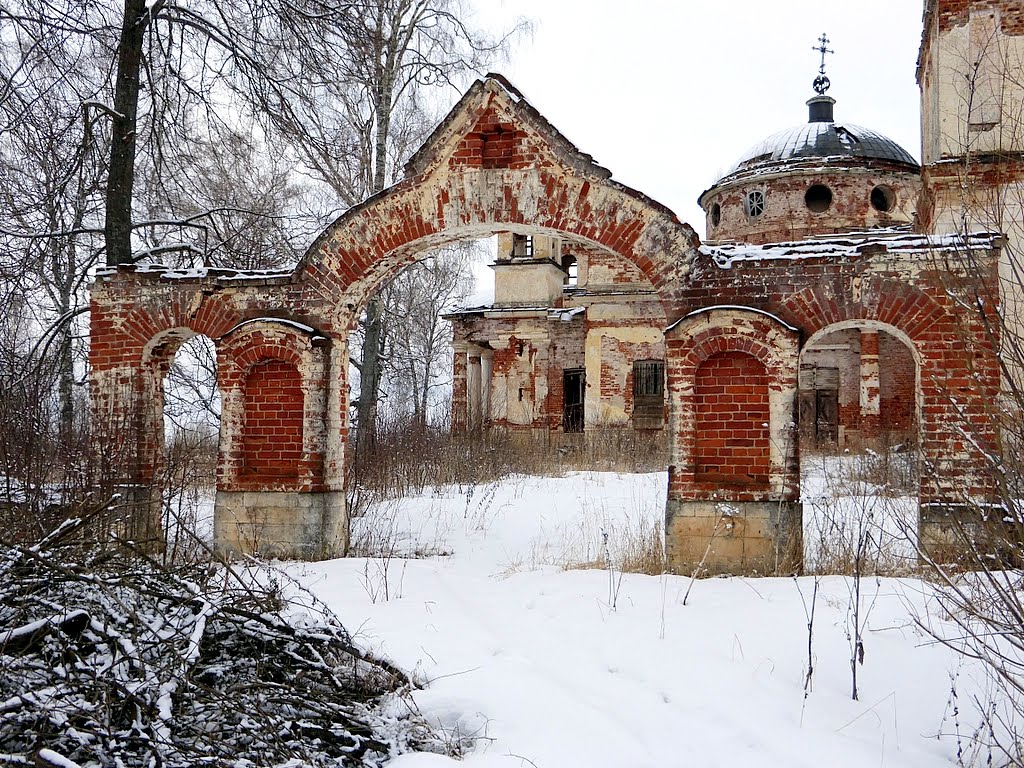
x=668, y=95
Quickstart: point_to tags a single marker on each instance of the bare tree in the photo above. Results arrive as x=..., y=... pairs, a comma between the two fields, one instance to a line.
x=354, y=136
x=225, y=201
x=50, y=188
x=416, y=359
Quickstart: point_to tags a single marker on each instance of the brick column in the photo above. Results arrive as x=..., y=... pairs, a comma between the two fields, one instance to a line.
x=459, y=402
x=486, y=374
x=870, y=387
x=473, y=390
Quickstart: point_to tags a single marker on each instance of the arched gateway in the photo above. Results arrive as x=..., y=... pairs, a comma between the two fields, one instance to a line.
x=496, y=165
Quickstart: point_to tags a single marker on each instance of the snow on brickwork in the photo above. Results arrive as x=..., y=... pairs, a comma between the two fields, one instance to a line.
x=852, y=244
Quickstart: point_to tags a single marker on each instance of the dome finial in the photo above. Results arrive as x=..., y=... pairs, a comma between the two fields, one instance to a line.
x=821, y=82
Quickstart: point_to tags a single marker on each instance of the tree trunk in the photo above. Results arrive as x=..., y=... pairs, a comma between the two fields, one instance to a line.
x=121, y=180
x=369, y=382
x=66, y=383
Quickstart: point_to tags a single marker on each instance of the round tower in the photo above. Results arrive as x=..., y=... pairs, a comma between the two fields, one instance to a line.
x=818, y=178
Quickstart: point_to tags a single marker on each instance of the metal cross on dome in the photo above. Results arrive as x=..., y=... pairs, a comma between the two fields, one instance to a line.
x=821, y=82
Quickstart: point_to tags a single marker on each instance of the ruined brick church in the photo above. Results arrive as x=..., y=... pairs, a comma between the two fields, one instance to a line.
x=837, y=298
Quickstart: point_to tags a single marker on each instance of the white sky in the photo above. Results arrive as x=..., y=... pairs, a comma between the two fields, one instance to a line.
x=668, y=95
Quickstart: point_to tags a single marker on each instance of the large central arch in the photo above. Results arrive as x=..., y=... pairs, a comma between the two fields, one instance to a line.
x=495, y=164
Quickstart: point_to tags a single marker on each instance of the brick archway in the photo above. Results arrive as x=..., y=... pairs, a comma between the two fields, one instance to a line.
x=957, y=370
x=456, y=188
x=872, y=371
x=493, y=165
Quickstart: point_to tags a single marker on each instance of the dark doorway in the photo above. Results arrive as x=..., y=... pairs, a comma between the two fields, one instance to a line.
x=573, y=392
x=819, y=405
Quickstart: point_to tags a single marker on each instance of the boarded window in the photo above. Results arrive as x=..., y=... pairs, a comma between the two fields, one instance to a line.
x=649, y=394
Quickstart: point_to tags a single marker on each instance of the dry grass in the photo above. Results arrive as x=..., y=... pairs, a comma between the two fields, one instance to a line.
x=407, y=457
x=630, y=543
x=860, y=510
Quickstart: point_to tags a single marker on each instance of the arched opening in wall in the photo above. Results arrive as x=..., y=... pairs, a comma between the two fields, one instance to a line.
x=413, y=356
x=716, y=215
x=858, y=415
x=571, y=267
x=858, y=389
x=191, y=420
x=731, y=421
x=401, y=378
x=273, y=406
x=521, y=369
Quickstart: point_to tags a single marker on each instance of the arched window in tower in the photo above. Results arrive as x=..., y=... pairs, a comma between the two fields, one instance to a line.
x=754, y=203
x=571, y=268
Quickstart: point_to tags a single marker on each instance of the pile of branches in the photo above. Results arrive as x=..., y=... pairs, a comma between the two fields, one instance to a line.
x=108, y=658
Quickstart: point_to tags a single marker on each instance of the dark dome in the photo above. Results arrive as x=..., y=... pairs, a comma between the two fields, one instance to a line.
x=823, y=139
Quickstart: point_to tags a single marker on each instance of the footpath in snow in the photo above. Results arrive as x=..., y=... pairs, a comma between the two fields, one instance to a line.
x=530, y=663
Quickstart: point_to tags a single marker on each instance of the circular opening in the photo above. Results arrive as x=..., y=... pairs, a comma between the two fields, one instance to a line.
x=716, y=215
x=883, y=198
x=818, y=198
x=754, y=203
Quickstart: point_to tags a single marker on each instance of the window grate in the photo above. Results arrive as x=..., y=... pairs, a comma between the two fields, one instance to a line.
x=648, y=378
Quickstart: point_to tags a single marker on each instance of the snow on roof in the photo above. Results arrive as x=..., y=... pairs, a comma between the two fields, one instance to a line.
x=280, y=321
x=510, y=90
x=823, y=139
x=565, y=315
x=734, y=307
x=492, y=308
x=896, y=240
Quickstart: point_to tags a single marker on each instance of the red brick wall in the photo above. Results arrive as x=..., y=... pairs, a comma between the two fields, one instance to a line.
x=731, y=400
x=898, y=378
x=272, y=441
x=606, y=268
x=955, y=13
x=495, y=142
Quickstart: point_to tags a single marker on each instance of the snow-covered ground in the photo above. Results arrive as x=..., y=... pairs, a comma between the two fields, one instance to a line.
x=538, y=665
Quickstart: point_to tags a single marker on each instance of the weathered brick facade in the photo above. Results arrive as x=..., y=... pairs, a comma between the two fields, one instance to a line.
x=614, y=305
x=494, y=165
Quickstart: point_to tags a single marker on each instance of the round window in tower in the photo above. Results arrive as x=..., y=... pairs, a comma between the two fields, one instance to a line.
x=818, y=198
x=716, y=215
x=883, y=198
x=754, y=203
